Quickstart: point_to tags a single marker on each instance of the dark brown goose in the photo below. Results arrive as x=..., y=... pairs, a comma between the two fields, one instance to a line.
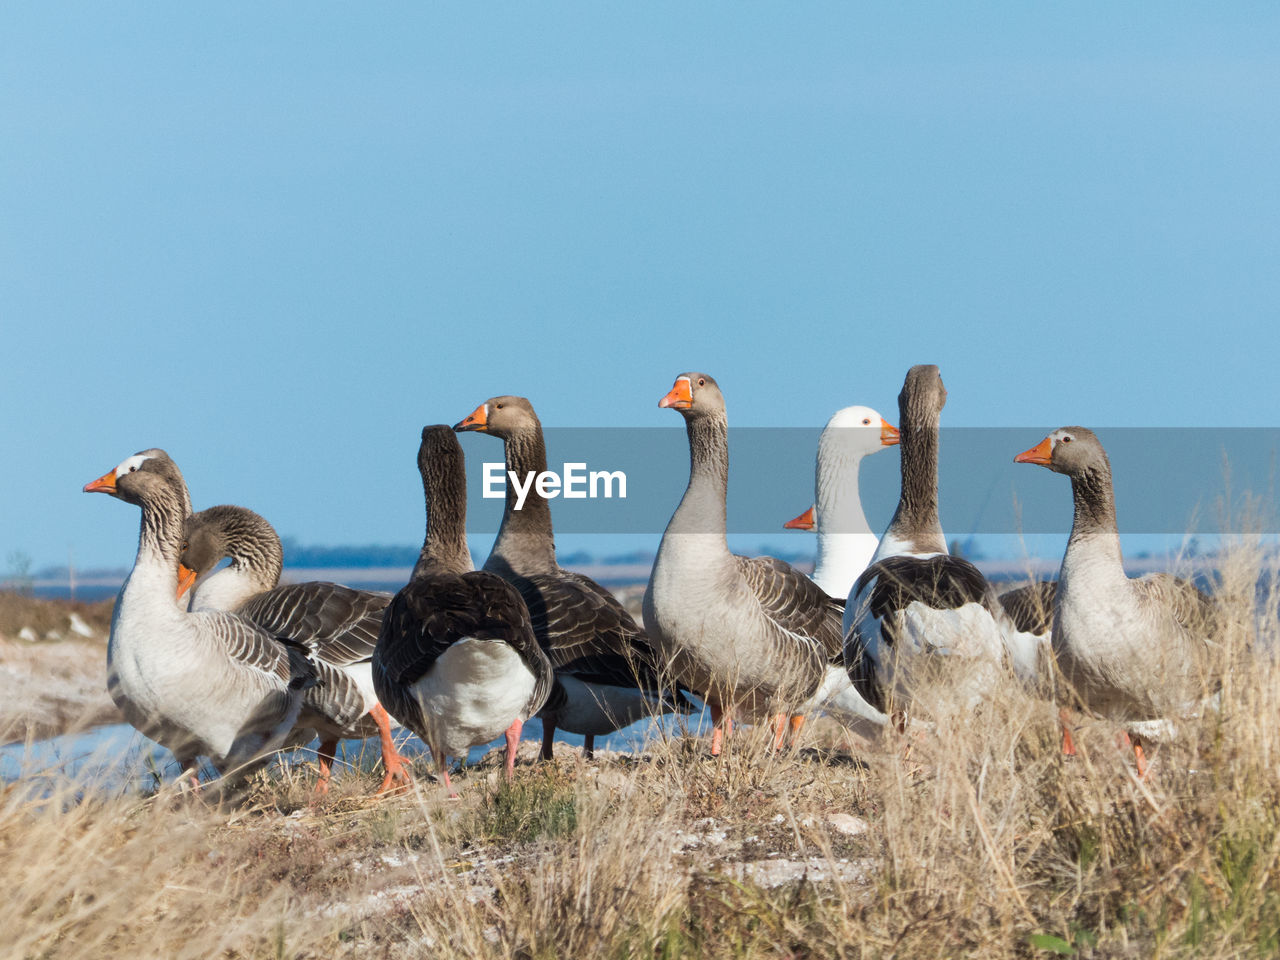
x=337, y=626
x=457, y=661
x=1135, y=651
x=750, y=635
x=202, y=684
x=607, y=674
x=915, y=601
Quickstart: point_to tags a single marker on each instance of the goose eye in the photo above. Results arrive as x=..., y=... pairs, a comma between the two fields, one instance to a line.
x=702, y=381
x=1066, y=439
x=866, y=421
x=133, y=469
x=498, y=405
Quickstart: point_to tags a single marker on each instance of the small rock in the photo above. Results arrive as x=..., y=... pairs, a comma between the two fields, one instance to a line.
x=29, y=635
x=847, y=824
x=79, y=627
x=53, y=636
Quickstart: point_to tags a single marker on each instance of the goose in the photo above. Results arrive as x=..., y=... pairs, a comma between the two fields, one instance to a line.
x=457, y=661
x=845, y=541
x=750, y=635
x=337, y=625
x=201, y=684
x=916, y=601
x=1134, y=650
x=607, y=673
x=1028, y=625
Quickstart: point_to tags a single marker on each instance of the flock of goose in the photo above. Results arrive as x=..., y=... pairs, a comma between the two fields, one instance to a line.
x=225, y=663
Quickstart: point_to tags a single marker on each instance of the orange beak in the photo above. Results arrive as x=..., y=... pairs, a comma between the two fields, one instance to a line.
x=889, y=435
x=104, y=484
x=805, y=521
x=478, y=420
x=680, y=397
x=186, y=577
x=1041, y=453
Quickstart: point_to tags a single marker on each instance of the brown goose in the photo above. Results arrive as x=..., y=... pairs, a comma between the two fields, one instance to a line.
x=336, y=625
x=202, y=684
x=1135, y=651
x=751, y=636
x=607, y=674
x=457, y=660
x=915, y=600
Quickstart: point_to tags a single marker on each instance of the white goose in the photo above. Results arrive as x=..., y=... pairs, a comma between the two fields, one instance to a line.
x=752, y=636
x=210, y=684
x=457, y=660
x=915, y=601
x=337, y=625
x=1134, y=651
x=846, y=542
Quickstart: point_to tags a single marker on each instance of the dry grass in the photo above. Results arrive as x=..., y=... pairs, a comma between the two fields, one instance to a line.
x=983, y=841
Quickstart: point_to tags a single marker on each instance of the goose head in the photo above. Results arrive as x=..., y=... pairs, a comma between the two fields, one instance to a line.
x=695, y=395
x=204, y=544
x=143, y=477
x=502, y=417
x=1073, y=451
x=857, y=431
x=923, y=396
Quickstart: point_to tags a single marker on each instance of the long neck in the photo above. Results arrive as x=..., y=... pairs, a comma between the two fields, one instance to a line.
x=702, y=509
x=160, y=540
x=916, y=520
x=1093, y=528
x=526, y=542
x=836, y=495
x=444, y=549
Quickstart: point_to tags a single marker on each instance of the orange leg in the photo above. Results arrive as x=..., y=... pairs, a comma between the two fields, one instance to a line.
x=779, y=730
x=1068, y=744
x=513, y=742
x=327, y=754
x=443, y=765
x=1139, y=756
x=797, y=724
x=722, y=727
x=395, y=765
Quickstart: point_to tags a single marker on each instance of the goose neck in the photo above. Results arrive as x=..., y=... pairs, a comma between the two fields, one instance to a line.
x=1093, y=526
x=916, y=519
x=526, y=540
x=702, y=509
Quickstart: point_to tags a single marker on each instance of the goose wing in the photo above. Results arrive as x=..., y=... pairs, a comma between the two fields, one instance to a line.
x=794, y=602
x=587, y=633
x=336, y=624
x=1030, y=607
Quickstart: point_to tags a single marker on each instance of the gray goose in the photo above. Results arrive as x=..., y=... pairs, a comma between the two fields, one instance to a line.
x=1133, y=650
x=915, y=601
x=607, y=673
x=750, y=635
x=201, y=684
x=337, y=626
x=457, y=661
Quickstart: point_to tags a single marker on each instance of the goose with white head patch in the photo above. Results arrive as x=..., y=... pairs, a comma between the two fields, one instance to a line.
x=202, y=684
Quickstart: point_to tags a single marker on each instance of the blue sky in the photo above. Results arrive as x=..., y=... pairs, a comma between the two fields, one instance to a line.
x=278, y=239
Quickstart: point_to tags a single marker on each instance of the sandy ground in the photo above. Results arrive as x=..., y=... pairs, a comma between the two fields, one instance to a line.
x=53, y=659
